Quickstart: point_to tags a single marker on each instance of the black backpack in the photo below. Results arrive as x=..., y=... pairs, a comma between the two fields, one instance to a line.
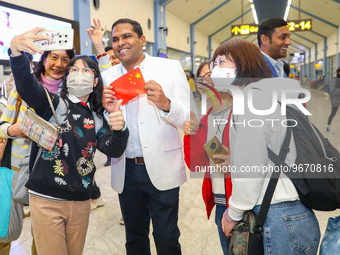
x=316, y=173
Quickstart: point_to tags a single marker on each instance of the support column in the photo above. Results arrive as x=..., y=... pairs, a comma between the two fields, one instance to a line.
x=210, y=46
x=304, y=65
x=157, y=45
x=82, y=14
x=324, y=71
x=160, y=29
x=192, y=47
x=337, y=47
x=316, y=60
x=309, y=66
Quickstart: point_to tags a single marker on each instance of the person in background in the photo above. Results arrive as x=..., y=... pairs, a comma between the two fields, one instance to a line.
x=287, y=216
x=286, y=68
x=49, y=71
x=273, y=39
x=148, y=175
x=61, y=179
x=191, y=80
x=216, y=188
x=113, y=58
x=335, y=99
x=7, y=31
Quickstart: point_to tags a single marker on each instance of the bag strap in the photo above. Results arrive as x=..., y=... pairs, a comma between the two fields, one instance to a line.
x=278, y=161
x=17, y=109
x=36, y=159
x=52, y=108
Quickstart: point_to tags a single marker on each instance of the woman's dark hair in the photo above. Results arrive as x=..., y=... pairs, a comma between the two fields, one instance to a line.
x=249, y=61
x=338, y=72
x=203, y=64
x=95, y=98
x=39, y=68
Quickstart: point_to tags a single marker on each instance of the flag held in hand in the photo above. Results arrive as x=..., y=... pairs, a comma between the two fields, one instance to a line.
x=129, y=85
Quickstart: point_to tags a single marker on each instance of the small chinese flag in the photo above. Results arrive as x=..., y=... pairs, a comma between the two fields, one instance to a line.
x=129, y=85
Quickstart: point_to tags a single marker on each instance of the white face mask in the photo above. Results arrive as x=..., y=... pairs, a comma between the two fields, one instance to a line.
x=221, y=72
x=79, y=85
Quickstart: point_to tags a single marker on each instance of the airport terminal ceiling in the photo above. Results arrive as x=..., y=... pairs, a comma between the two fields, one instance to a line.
x=215, y=17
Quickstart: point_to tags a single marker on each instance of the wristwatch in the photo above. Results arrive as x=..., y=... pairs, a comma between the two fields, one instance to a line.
x=169, y=106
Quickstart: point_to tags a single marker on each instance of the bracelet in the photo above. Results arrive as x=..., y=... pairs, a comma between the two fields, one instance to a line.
x=226, y=218
x=101, y=55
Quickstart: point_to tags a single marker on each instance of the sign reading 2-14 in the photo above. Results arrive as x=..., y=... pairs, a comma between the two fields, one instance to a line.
x=300, y=25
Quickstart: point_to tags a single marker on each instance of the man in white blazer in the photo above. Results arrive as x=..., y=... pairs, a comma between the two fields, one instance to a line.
x=148, y=175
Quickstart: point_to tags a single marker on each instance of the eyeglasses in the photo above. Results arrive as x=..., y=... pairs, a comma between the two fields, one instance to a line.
x=85, y=70
x=218, y=62
x=206, y=77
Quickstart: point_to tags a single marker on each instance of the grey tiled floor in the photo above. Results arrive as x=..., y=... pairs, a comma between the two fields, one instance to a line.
x=198, y=235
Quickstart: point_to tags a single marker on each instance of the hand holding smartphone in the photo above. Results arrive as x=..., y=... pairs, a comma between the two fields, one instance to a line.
x=213, y=147
x=60, y=40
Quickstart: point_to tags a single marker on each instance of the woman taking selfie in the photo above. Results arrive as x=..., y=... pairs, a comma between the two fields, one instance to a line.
x=61, y=179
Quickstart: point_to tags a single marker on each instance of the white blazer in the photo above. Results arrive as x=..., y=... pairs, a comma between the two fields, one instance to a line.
x=159, y=137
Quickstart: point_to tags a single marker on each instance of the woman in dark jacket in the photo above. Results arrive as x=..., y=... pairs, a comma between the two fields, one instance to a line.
x=61, y=179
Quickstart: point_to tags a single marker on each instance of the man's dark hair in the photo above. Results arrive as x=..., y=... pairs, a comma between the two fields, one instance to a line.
x=136, y=26
x=107, y=48
x=267, y=27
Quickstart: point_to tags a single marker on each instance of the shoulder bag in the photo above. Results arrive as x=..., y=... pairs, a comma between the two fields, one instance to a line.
x=39, y=130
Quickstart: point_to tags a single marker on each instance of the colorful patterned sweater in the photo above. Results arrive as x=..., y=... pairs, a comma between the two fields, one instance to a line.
x=66, y=172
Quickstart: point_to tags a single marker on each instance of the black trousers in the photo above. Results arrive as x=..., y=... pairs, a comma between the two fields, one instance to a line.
x=334, y=110
x=139, y=202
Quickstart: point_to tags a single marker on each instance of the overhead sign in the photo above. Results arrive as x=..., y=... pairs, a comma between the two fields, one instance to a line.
x=293, y=25
x=300, y=25
x=246, y=29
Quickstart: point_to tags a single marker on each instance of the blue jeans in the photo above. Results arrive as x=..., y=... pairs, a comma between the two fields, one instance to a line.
x=290, y=228
x=218, y=218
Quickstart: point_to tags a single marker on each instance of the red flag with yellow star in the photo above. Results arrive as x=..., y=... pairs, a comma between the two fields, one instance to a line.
x=129, y=85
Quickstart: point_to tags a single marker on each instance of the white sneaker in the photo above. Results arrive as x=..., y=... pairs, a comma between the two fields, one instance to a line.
x=329, y=131
x=95, y=203
x=27, y=211
x=121, y=221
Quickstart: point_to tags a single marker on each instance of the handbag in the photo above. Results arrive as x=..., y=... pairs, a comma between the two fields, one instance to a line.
x=247, y=235
x=12, y=214
x=39, y=130
x=20, y=192
x=3, y=141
